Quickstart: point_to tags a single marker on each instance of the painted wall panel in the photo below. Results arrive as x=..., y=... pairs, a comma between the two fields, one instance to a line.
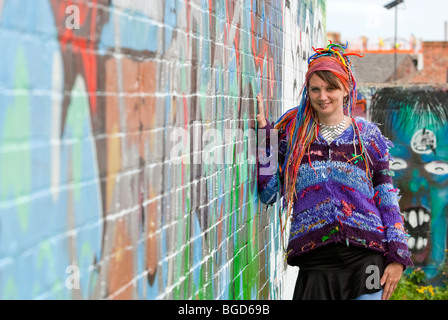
x=127, y=135
x=414, y=118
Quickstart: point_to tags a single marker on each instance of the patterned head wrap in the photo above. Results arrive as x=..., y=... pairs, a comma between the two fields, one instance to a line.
x=335, y=59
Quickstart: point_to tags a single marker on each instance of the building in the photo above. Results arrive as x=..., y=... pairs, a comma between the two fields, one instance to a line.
x=378, y=66
x=435, y=64
x=378, y=63
x=428, y=66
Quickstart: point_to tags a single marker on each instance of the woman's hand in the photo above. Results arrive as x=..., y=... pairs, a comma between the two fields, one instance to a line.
x=390, y=278
x=261, y=119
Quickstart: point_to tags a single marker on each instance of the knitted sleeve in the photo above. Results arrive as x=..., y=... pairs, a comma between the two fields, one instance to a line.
x=386, y=198
x=271, y=152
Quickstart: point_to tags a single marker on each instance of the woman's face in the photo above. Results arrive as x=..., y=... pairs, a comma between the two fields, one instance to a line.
x=326, y=99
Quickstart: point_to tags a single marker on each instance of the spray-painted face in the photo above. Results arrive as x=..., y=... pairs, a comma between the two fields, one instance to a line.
x=421, y=167
x=420, y=163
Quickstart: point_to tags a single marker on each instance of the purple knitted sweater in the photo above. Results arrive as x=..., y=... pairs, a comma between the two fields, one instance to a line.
x=336, y=203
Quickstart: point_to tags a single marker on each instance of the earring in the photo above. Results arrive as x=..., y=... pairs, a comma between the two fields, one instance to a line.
x=345, y=100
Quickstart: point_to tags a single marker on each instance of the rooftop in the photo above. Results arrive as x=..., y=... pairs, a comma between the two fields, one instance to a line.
x=379, y=67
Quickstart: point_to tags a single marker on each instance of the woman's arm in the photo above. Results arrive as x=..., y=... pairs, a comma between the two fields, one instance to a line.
x=386, y=199
x=271, y=149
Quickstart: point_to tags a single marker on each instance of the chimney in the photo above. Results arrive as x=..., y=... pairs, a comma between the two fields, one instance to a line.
x=446, y=31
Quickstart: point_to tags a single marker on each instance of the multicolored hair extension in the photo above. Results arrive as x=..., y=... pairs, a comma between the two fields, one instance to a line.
x=300, y=124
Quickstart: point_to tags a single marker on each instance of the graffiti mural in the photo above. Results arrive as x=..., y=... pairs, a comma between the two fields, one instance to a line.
x=415, y=119
x=94, y=203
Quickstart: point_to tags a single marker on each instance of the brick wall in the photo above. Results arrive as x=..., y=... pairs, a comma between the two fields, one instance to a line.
x=435, y=63
x=404, y=69
x=107, y=190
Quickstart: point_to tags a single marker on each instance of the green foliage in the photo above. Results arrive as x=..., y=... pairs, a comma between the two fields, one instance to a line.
x=413, y=286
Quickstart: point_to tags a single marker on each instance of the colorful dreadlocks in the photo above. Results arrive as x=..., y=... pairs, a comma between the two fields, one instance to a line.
x=300, y=124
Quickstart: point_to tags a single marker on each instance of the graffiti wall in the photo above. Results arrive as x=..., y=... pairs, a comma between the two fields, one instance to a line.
x=127, y=131
x=415, y=119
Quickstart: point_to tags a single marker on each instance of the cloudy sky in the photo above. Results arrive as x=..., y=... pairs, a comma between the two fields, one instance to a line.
x=355, y=18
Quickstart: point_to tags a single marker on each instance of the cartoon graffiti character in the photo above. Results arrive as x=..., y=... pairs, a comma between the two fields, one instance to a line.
x=416, y=121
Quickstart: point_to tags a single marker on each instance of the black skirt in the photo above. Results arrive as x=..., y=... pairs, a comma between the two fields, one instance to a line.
x=338, y=272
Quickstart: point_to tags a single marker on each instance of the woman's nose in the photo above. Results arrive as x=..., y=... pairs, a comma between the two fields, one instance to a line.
x=322, y=95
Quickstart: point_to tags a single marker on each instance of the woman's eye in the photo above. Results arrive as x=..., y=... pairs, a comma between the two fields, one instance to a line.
x=398, y=164
x=437, y=167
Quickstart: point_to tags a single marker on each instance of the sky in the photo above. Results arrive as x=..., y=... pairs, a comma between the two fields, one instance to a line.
x=425, y=19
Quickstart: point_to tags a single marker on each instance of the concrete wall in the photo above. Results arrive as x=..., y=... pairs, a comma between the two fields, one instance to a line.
x=107, y=109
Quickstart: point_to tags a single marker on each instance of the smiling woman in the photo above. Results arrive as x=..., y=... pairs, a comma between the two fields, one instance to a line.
x=338, y=192
x=327, y=96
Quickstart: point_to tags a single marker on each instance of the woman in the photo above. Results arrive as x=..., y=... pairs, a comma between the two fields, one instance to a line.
x=333, y=174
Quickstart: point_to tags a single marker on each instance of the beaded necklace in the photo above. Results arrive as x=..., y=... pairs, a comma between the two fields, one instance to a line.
x=332, y=132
